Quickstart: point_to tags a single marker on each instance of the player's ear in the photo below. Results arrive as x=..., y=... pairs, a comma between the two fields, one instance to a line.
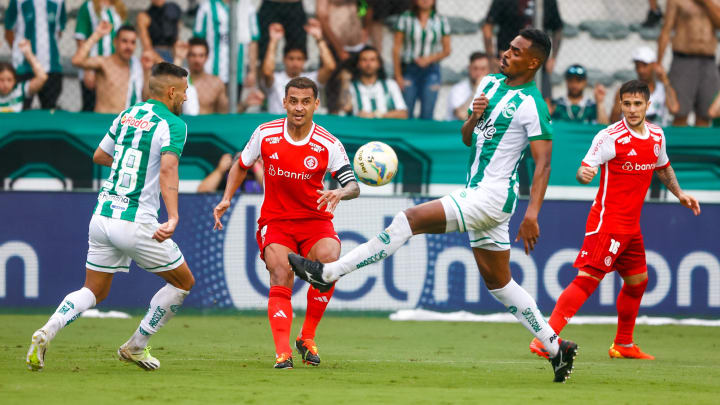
x=317, y=102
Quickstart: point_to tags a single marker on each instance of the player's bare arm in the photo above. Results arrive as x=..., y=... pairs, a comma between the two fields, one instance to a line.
x=529, y=230
x=276, y=32
x=39, y=74
x=585, y=174
x=667, y=177
x=236, y=176
x=478, y=109
x=329, y=199
x=102, y=158
x=169, y=181
x=82, y=59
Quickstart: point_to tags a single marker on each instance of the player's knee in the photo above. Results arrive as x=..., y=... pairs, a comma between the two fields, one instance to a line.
x=281, y=276
x=327, y=255
x=100, y=295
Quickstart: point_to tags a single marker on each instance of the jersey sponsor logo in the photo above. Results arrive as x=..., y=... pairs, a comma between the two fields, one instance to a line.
x=632, y=152
x=141, y=124
x=509, y=110
x=624, y=140
x=311, y=162
x=117, y=202
x=656, y=149
x=655, y=137
x=485, y=128
x=272, y=171
x=628, y=166
x=272, y=140
x=316, y=148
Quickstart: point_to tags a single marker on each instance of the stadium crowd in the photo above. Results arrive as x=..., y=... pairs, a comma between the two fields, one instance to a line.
x=348, y=34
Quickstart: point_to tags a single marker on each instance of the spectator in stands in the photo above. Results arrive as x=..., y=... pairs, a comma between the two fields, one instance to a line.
x=40, y=22
x=343, y=29
x=119, y=77
x=216, y=180
x=511, y=16
x=576, y=106
x=693, y=73
x=663, y=98
x=654, y=15
x=377, y=12
x=13, y=92
x=89, y=15
x=212, y=24
x=158, y=28
x=372, y=94
x=462, y=93
x=288, y=13
x=294, y=59
x=422, y=40
x=209, y=89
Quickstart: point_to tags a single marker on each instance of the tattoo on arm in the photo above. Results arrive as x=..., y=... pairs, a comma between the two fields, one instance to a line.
x=667, y=177
x=352, y=190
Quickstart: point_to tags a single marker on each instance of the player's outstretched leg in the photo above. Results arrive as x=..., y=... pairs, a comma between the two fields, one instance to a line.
x=163, y=306
x=628, y=305
x=69, y=309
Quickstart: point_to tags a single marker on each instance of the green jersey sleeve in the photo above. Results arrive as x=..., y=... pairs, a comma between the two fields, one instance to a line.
x=535, y=118
x=83, y=26
x=11, y=15
x=174, y=139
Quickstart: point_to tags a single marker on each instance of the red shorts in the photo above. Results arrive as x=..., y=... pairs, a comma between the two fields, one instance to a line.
x=603, y=253
x=299, y=235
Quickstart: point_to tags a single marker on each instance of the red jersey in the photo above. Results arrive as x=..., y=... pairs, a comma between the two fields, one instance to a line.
x=294, y=171
x=627, y=161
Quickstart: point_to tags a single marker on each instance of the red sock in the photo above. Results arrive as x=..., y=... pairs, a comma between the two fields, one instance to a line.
x=316, y=303
x=280, y=315
x=571, y=300
x=628, y=304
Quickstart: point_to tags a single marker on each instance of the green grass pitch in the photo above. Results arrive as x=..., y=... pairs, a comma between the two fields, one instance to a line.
x=227, y=359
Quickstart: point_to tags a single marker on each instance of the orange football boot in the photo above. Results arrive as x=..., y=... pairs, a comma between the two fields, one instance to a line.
x=537, y=347
x=633, y=352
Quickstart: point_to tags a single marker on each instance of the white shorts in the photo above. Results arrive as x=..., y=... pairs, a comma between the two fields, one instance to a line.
x=479, y=213
x=113, y=243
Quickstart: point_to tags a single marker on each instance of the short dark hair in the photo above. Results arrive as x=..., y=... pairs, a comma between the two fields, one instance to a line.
x=635, y=87
x=293, y=47
x=381, y=74
x=9, y=67
x=166, y=68
x=302, y=83
x=125, y=27
x=540, y=41
x=478, y=55
x=196, y=41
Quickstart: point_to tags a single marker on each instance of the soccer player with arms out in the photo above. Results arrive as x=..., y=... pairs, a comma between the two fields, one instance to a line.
x=142, y=148
x=296, y=214
x=506, y=115
x=627, y=152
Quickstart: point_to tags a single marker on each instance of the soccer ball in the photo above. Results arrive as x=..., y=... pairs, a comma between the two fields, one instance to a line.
x=375, y=163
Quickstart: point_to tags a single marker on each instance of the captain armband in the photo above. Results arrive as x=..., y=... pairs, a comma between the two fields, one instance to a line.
x=344, y=175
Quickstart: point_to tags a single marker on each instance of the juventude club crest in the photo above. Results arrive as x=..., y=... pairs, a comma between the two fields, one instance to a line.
x=509, y=110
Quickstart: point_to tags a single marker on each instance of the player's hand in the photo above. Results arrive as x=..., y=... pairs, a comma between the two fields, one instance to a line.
x=586, y=174
x=365, y=114
x=218, y=213
x=314, y=28
x=690, y=202
x=25, y=47
x=276, y=31
x=103, y=28
x=660, y=72
x=529, y=232
x=401, y=82
x=600, y=93
x=479, y=106
x=148, y=59
x=165, y=230
x=329, y=199
x=422, y=61
x=225, y=163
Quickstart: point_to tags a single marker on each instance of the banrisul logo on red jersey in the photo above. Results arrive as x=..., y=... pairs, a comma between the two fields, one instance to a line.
x=139, y=123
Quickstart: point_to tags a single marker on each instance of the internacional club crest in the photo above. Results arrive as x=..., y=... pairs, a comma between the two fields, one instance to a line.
x=311, y=162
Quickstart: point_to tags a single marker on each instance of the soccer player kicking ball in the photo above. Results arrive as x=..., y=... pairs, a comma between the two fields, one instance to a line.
x=627, y=152
x=296, y=214
x=143, y=148
x=506, y=114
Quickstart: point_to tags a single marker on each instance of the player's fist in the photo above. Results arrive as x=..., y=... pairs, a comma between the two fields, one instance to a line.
x=314, y=28
x=585, y=174
x=690, y=202
x=103, y=28
x=25, y=47
x=276, y=31
x=479, y=105
x=225, y=163
x=600, y=93
x=660, y=72
x=218, y=213
x=165, y=230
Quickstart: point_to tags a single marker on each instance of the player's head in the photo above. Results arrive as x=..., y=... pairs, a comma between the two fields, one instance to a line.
x=8, y=78
x=301, y=100
x=294, y=58
x=125, y=42
x=634, y=101
x=576, y=80
x=369, y=64
x=479, y=66
x=527, y=53
x=418, y=5
x=168, y=84
x=644, y=59
x=197, y=54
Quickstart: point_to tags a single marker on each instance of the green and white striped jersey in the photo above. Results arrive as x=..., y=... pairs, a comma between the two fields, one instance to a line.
x=381, y=96
x=136, y=140
x=419, y=41
x=40, y=21
x=13, y=101
x=515, y=116
x=87, y=21
x=213, y=24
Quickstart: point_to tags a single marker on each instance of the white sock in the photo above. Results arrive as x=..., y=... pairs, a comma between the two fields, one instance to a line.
x=374, y=250
x=69, y=310
x=523, y=306
x=163, y=306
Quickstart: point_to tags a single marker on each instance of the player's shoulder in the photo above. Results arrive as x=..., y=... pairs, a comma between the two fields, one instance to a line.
x=322, y=135
x=617, y=132
x=271, y=127
x=655, y=130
